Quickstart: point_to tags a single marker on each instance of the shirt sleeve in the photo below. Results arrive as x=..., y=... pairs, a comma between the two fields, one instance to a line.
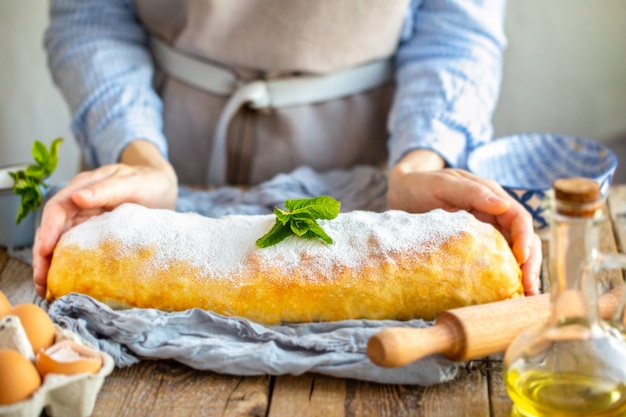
x=98, y=56
x=449, y=69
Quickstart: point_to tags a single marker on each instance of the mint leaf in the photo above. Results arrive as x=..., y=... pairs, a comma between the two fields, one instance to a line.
x=299, y=226
x=21, y=213
x=40, y=153
x=31, y=182
x=316, y=231
x=36, y=171
x=282, y=216
x=299, y=220
x=54, y=155
x=322, y=207
x=276, y=234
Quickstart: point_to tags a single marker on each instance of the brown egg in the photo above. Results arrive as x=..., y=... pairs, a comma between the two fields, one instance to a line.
x=5, y=305
x=68, y=357
x=37, y=325
x=19, y=378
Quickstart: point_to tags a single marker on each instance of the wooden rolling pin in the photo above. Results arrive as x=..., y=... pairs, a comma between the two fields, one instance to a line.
x=471, y=332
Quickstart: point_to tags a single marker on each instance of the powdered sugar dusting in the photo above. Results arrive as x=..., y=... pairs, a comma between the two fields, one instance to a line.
x=222, y=246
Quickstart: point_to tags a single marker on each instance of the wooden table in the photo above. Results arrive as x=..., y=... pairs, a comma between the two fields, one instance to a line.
x=165, y=388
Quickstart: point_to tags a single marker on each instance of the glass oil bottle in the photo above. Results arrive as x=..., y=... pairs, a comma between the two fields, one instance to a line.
x=575, y=363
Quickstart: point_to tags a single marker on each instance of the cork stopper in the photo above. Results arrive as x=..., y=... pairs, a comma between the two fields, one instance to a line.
x=577, y=196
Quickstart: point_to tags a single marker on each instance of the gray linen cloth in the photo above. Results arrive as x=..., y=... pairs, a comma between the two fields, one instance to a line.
x=207, y=341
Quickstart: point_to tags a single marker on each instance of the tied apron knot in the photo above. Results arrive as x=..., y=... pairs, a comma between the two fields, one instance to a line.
x=259, y=94
x=256, y=95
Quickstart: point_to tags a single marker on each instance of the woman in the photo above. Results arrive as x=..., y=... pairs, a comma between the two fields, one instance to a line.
x=208, y=92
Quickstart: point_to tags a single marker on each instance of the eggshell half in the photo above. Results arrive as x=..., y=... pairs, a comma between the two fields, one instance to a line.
x=68, y=358
x=19, y=377
x=37, y=324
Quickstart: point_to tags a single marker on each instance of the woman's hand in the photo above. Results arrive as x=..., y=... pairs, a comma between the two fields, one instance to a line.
x=142, y=177
x=419, y=183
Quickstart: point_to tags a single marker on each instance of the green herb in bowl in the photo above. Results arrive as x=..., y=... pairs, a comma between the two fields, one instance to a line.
x=31, y=182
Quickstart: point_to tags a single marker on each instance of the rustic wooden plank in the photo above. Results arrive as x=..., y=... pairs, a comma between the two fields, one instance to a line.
x=308, y=395
x=250, y=398
x=316, y=395
x=466, y=396
x=499, y=401
x=368, y=399
x=166, y=388
x=129, y=391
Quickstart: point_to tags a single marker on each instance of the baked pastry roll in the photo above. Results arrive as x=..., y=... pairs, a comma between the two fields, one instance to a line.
x=390, y=265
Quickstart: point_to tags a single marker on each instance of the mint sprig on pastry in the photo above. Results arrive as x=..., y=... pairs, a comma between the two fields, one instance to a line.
x=300, y=218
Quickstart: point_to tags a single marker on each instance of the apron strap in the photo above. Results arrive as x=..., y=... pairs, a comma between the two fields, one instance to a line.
x=260, y=94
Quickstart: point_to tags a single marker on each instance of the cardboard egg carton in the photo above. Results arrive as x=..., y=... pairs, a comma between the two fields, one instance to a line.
x=60, y=395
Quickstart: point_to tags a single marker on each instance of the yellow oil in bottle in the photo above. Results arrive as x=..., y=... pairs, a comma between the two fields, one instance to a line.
x=574, y=364
x=548, y=394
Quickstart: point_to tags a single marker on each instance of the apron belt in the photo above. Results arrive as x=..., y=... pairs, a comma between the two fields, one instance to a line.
x=261, y=94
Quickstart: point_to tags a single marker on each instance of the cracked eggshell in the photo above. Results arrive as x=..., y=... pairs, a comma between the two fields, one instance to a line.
x=64, y=395
x=68, y=358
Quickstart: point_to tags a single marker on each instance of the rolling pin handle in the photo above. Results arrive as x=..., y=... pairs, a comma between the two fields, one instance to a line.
x=395, y=346
x=472, y=332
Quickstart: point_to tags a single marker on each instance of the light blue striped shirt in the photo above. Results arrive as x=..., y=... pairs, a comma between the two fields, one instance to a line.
x=448, y=75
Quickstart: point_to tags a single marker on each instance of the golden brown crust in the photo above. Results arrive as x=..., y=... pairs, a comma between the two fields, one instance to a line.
x=465, y=268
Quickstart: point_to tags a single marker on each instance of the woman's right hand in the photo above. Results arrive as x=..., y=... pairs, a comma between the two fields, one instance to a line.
x=143, y=177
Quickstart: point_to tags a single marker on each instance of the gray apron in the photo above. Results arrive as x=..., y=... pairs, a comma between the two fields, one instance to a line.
x=271, y=39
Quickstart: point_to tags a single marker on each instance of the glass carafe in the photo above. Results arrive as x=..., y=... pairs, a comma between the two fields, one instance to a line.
x=575, y=363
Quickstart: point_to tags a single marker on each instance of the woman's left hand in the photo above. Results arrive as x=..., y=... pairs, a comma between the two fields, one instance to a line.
x=454, y=189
